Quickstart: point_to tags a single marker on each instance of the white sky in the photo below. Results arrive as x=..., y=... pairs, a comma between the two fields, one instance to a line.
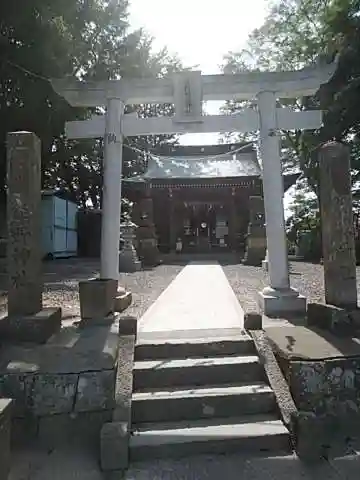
x=201, y=32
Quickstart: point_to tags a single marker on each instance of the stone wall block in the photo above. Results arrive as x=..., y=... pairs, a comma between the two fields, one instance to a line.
x=5, y=432
x=114, y=446
x=309, y=436
x=95, y=391
x=327, y=387
x=80, y=429
x=329, y=317
x=53, y=393
x=308, y=384
x=253, y=321
x=19, y=388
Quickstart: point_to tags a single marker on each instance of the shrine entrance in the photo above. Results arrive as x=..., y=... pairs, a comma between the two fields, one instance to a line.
x=187, y=91
x=203, y=226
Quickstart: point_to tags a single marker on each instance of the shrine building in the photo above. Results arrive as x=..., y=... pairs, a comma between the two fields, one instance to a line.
x=201, y=195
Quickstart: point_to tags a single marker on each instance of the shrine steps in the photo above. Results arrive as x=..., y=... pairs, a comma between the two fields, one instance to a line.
x=196, y=395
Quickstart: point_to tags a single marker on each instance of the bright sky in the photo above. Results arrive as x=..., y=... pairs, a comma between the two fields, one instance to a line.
x=201, y=32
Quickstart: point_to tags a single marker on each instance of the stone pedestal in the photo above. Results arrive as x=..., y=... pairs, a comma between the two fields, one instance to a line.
x=97, y=299
x=279, y=303
x=64, y=391
x=128, y=260
x=337, y=226
x=123, y=300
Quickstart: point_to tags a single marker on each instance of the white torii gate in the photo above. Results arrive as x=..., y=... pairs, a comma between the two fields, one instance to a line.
x=187, y=90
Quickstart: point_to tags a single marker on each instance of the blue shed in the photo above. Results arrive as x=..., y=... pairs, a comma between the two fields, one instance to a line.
x=59, y=225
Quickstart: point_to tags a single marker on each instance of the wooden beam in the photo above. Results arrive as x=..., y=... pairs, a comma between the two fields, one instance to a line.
x=92, y=128
x=287, y=84
x=245, y=121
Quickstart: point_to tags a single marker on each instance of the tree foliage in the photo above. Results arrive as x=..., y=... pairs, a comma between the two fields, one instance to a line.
x=297, y=33
x=90, y=39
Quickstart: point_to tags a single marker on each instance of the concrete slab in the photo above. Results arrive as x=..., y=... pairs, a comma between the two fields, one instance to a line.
x=71, y=464
x=347, y=467
x=302, y=343
x=72, y=350
x=200, y=297
x=233, y=467
x=43, y=464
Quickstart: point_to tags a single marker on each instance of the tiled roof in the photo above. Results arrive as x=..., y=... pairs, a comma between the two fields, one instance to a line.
x=228, y=165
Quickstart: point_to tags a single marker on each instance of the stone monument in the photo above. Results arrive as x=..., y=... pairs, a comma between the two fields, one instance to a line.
x=337, y=226
x=27, y=320
x=24, y=224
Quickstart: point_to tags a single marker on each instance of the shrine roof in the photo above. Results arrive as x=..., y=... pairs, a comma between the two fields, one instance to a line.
x=226, y=161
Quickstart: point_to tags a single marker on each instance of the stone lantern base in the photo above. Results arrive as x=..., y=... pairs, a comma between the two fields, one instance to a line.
x=128, y=259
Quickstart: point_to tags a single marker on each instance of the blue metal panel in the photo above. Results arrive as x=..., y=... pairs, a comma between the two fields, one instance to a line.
x=59, y=233
x=71, y=216
x=60, y=249
x=60, y=212
x=47, y=225
x=71, y=242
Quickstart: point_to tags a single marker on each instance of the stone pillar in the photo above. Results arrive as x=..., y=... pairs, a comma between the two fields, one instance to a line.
x=337, y=226
x=24, y=224
x=278, y=298
x=256, y=235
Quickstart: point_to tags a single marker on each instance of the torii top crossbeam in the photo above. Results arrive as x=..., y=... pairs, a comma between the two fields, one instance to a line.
x=242, y=86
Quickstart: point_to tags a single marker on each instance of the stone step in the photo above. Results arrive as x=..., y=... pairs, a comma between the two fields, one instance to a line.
x=188, y=346
x=197, y=371
x=252, y=433
x=202, y=402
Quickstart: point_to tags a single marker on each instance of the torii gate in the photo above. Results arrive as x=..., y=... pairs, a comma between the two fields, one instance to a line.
x=187, y=90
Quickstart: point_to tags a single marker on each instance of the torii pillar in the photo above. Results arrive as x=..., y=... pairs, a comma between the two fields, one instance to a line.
x=111, y=202
x=278, y=298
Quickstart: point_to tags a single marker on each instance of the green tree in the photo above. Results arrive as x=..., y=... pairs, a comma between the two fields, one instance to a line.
x=295, y=34
x=91, y=39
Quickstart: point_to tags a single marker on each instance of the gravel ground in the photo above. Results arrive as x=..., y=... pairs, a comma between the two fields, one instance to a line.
x=307, y=278
x=61, y=279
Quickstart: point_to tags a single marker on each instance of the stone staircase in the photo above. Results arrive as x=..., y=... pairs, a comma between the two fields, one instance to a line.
x=202, y=395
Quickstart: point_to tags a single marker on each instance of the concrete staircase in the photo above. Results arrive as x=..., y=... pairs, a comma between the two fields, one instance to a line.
x=202, y=395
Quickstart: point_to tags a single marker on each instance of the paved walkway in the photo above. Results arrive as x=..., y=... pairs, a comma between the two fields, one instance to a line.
x=200, y=297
